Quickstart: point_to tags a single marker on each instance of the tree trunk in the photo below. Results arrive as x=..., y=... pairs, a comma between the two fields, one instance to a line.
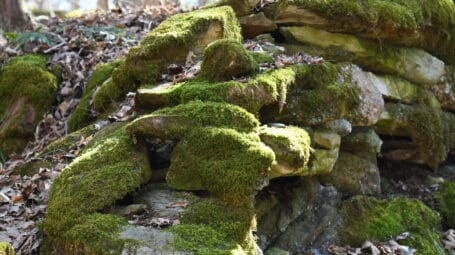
x=11, y=16
x=102, y=5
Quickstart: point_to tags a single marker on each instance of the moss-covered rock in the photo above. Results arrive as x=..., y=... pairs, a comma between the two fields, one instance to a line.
x=445, y=197
x=81, y=115
x=413, y=64
x=228, y=163
x=263, y=89
x=427, y=126
x=372, y=219
x=352, y=174
x=6, y=249
x=291, y=146
x=26, y=93
x=171, y=41
x=105, y=171
x=175, y=122
x=321, y=93
x=213, y=227
x=363, y=142
x=428, y=24
x=225, y=59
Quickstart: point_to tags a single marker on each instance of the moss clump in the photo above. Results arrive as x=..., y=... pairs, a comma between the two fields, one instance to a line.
x=446, y=202
x=65, y=144
x=225, y=59
x=81, y=115
x=261, y=57
x=372, y=219
x=175, y=122
x=213, y=227
x=6, y=249
x=229, y=164
x=105, y=171
x=97, y=234
x=26, y=93
x=291, y=146
x=173, y=39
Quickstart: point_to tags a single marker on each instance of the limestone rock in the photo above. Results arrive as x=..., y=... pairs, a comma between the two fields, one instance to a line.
x=363, y=142
x=428, y=25
x=326, y=140
x=225, y=59
x=322, y=161
x=242, y=7
x=256, y=24
x=302, y=213
x=354, y=175
x=342, y=127
x=413, y=64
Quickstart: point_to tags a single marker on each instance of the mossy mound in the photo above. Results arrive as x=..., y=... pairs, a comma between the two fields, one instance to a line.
x=81, y=116
x=225, y=59
x=213, y=227
x=369, y=218
x=107, y=170
x=26, y=93
x=175, y=122
x=291, y=146
x=227, y=163
x=172, y=40
x=446, y=202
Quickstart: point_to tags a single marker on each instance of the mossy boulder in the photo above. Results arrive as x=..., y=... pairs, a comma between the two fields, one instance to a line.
x=6, y=249
x=263, y=89
x=445, y=198
x=26, y=93
x=291, y=146
x=171, y=42
x=427, y=126
x=93, y=98
x=225, y=59
x=428, y=24
x=413, y=64
x=175, y=122
x=363, y=142
x=227, y=163
x=321, y=93
x=106, y=171
x=367, y=218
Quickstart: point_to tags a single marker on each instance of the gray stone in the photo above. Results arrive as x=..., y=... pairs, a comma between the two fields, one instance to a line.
x=363, y=142
x=326, y=139
x=354, y=175
x=341, y=126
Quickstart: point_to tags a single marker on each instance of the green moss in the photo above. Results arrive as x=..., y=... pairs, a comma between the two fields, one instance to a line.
x=291, y=146
x=263, y=89
x=81, y=115
x=6, y=249
x=173, y=39
x=105, y=171
x=429, y=24
x=261, y=57
x=175, y=122
x=446, y=202
x=213, y=227
x=65, y=144
x=229, y=164
x=26, y=92
x=373, y=219
x=97, y=234
x=225, y=59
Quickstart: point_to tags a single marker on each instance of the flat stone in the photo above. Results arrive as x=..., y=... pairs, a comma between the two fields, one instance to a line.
x=256, y=24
